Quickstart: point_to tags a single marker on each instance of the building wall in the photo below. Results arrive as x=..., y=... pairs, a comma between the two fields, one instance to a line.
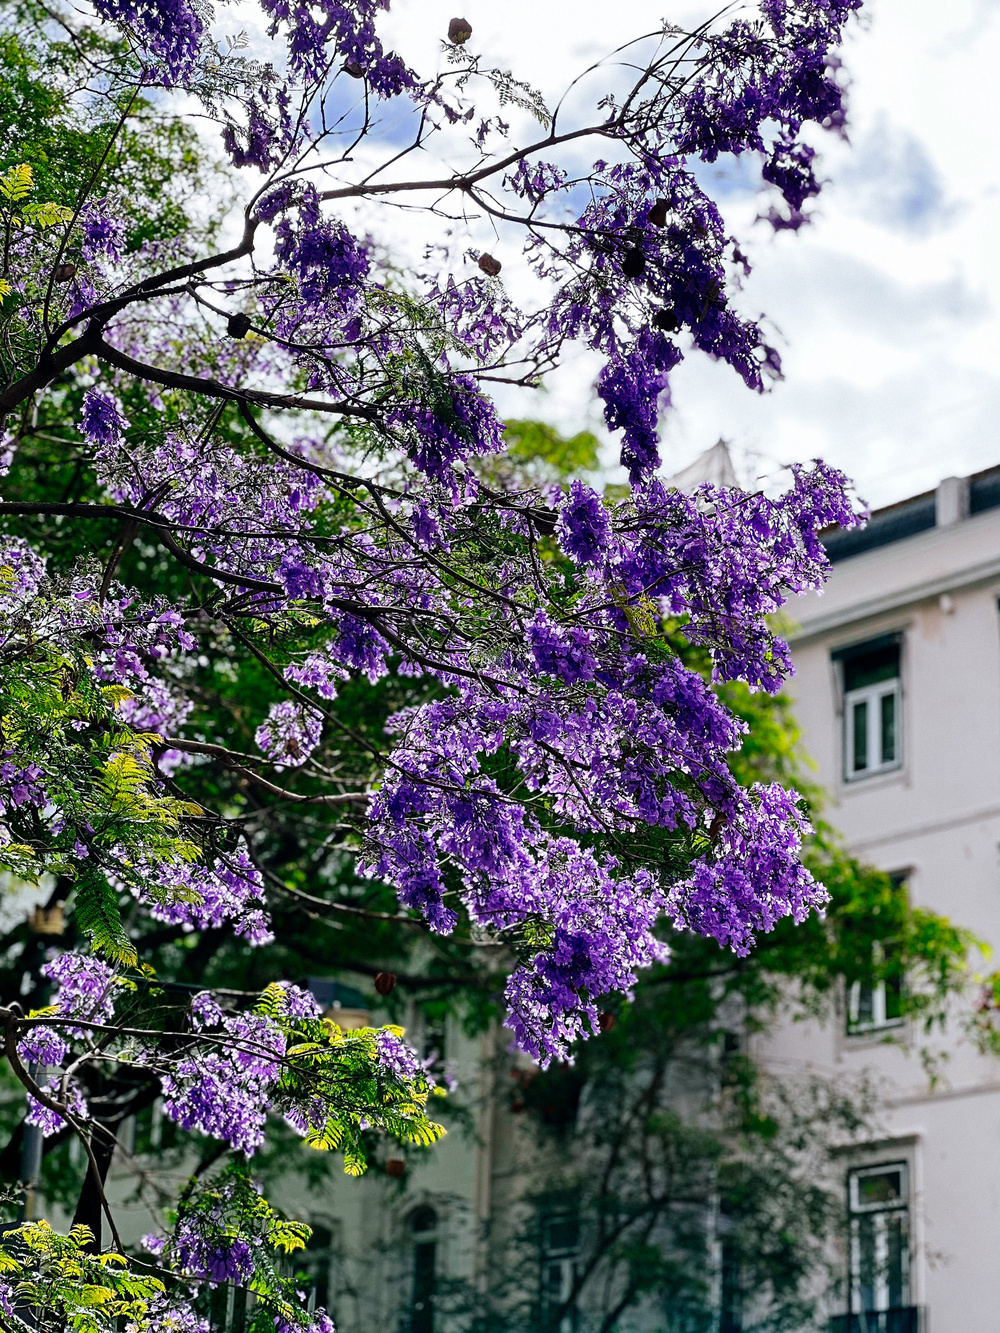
x=937, y=817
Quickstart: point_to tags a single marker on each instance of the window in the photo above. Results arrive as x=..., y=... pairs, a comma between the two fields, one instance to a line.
x=874, y=1006
x=316, y=1263
x=560, y=1243
x=879, y=1206
x=872, y=698
x=423, y=1226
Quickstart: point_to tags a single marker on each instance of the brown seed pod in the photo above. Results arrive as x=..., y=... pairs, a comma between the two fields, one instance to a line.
x=657, y=215
x=395, y=1167
x=355, y=70
x=544, y=521
x=666, y=320
x=238, y=325
x=65, y=273
x=385, y=983
x=606, y=1020
x=459, y=31
x=634, y=262
x=490, y=265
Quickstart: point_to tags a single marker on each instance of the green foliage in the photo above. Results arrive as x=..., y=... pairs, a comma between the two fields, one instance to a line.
x=342, y=1073
x=57, y=1285
x=59, y=720
x=535, y=441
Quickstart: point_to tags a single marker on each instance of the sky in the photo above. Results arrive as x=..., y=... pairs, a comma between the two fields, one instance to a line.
x=886, y=309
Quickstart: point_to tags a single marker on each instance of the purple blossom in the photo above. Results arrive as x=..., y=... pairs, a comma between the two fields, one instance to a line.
x=290, y=734
x=103, y=234
x=102, y=421
x=171, y=30
x=395, y=1056
x=584, y=525
x=632, y=387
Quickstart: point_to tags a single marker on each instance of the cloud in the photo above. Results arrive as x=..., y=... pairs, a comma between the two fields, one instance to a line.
x=891, y=181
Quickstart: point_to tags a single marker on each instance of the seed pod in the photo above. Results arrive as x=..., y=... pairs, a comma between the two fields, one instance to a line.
x=385, y=983
x=634, y=263
x=65, y=273
x=355, y=70
x=459, y=31
x=606, y=1020
x=490, y=265
x=238, y=325
x=544, y=521
x=657, y=215
x=395, y=1167
x=666, y=320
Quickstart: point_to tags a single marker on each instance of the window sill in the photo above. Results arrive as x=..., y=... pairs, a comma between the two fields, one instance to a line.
x=895, y=1034
x=885, y=777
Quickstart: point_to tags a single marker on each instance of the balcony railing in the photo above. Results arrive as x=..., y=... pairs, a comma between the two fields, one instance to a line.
x=902, y=1319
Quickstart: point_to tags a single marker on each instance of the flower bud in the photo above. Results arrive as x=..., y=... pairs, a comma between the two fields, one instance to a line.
x=459, y=31
x=657, y=215
x=395, y=1167
x=490, y=265
x=385, y=983
x=238, y=325
x=665, y=319
x=606, y=1020
x=634, y=263
x=65, y=272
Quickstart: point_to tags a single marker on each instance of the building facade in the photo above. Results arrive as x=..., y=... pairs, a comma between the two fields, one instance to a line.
x=897, y=690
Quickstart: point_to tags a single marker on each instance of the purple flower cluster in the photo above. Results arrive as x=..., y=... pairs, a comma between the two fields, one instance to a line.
x=455, y=424
x=169, y=30
x=584, y=525
x=102, y=421
x=225, y=1091
x=394, y=1055
x=227, y=891
x=290, y=734
x=21, y=573
x=102, y=233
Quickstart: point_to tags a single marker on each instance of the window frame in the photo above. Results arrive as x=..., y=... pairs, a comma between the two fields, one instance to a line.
x=872, y=697
x=561, y=1257
x=857, y=1211
x=880, y=1020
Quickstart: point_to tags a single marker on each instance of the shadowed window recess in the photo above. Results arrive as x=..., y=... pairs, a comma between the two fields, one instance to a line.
x=872, y=706
x=560, y=1248
x=877, y=1005
x=423, y=1224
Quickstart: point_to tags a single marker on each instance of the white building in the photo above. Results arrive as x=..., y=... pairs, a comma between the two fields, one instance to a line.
x=898, y=694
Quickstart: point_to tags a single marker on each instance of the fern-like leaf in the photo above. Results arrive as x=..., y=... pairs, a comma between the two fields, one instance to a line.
x=97, y=914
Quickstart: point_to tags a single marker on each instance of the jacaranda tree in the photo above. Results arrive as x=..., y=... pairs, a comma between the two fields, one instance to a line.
x=293, y=443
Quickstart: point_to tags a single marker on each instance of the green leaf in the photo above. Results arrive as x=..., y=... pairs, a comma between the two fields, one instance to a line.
x=16, y=183
x=97, y=915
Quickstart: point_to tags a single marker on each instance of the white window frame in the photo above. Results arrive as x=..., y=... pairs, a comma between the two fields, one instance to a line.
x=879, y=1021
x=872, y=696
x=882, y=1212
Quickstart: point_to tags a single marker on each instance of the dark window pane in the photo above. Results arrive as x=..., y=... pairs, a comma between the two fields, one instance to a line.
x=424, y=1262
x=423, y=1219
x=859, y=758
x=864, y=1012
x=861, y=668
x=883, y=1187
x=560, y=1233
x=893, y=998
x=888, y=702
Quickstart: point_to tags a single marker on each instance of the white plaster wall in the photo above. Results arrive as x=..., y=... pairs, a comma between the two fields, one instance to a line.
x=939, y=817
